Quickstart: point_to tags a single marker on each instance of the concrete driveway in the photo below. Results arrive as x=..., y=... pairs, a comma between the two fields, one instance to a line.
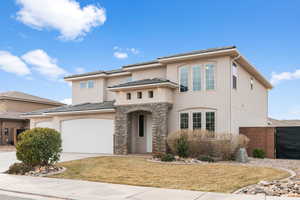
x=8, y=158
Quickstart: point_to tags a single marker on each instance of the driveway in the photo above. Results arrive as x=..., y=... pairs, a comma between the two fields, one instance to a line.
x=8, y=158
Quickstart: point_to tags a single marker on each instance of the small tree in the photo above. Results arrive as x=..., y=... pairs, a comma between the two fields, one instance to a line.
x=39, y=146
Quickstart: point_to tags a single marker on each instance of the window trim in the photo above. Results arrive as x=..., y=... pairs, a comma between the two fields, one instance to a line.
x=214, y=73
x=192, y=77
x=179, y=77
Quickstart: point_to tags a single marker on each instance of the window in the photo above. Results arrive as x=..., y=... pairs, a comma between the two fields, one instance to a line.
x=139, y=95
x=210, y=121
x=197, y=120
x=150, y=94
x=128, y=96
x=141, y=125
x=196, y=78
x=90, y=84
x=210, y=76
x=82, y=84
x=6, y=131
x=251, y=83
x=184, y=120
x=183, y=79
x=234, y=76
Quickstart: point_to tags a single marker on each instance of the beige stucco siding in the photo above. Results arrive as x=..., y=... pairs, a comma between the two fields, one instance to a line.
x=111, y=81
x=249, y=107
x=57, y=120
x=217, y=100
x=22, y=106
x=92, y=95
x=156, y=72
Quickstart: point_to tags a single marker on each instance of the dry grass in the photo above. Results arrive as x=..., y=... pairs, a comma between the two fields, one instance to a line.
x=138, y=171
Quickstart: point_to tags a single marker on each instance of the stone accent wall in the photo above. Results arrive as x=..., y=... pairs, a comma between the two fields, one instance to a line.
x=122, y=136
x=260, y=138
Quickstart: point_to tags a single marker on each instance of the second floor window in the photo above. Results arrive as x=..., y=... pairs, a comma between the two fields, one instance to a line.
x=82, y=84
x=234, y=76
x=150, y=94
x=183, y=79
x=196, y=78
x=251, y=83
x=128, y=96
x=210, y=76
x=90, y=84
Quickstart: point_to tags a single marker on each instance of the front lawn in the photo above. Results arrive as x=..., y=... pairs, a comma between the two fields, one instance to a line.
x=138, y=171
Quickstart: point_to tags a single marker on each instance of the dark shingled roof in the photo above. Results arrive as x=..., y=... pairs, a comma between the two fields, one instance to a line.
x=199, y=51
x=77, y=107
x=143, y=82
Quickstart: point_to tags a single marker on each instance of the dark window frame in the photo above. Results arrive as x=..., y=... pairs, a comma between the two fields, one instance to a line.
x=184, y=120
x=197, y=120
x=139, y=95
x=210, y=123
x=128, y=96
x=150, y=94
x=141, y=126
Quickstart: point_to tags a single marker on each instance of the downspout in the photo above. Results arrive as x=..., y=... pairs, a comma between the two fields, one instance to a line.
x=231, y=74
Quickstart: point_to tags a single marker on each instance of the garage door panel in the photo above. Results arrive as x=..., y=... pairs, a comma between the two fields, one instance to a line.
x=87, y=136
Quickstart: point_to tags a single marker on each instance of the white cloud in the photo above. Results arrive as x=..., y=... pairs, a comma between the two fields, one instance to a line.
x=13, y=64
x=133, y=50
x=67, y=101
x=278, y=77
x=43, y=63
x=66, y=16
x=79, y=70
x=120, y=55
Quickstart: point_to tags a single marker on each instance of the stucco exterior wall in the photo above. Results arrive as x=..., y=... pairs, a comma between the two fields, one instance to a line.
x=217, y=100
x=159, y=95
x=111, y=81
x=155, y=72
x=22, y=106
x=92, y=95
x=57, y=120
x=248, y=107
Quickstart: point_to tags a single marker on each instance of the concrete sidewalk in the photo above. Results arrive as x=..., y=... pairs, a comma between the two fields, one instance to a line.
x=86, y=190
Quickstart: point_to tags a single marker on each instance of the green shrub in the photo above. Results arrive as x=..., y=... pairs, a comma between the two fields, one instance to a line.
x=206, y=159
x=167, y=157
x=182, y=146
x=39, y=146
x=19, y=168
x=259, y=153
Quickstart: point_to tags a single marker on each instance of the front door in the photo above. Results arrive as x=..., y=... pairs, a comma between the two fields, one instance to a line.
x=144, y=134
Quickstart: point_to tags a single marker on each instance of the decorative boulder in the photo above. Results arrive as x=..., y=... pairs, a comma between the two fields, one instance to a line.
x=241, y=155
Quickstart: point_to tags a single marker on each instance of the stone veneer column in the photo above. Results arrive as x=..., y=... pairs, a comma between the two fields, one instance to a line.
x=122, y=133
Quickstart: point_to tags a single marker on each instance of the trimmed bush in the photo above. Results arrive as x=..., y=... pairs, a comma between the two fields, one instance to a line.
x=167, y=158
x=195, y=143
x=19, y=168
x=258, y=153
x=39, y=146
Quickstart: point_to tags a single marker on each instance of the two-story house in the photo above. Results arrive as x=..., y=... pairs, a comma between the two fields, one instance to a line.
x=132, y=109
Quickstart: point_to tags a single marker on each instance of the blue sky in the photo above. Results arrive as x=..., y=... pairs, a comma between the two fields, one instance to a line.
x=41, y=41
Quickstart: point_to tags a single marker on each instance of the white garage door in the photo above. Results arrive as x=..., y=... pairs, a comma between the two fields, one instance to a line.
x=87, y=136
x=47, y=124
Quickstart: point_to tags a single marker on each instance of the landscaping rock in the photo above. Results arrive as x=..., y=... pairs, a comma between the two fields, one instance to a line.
x=242, y=156
x=45, y=171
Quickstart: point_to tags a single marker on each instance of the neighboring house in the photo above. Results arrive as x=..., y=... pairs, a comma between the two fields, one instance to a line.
x=12, y=104
x=132, y=109
x=283, y=123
